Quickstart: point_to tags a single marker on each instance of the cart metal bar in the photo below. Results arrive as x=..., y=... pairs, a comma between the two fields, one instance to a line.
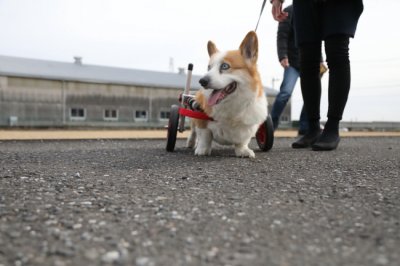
x=181, y=127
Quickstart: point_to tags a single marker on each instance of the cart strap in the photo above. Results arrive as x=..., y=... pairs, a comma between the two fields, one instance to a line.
x=194, y=114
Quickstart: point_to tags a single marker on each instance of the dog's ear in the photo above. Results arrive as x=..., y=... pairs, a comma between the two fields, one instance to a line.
x=249, y=47
x=212, y=49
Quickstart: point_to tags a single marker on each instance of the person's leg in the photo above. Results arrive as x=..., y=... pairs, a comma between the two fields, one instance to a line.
x=310, y=55
x=337, y=55
x=290, y=77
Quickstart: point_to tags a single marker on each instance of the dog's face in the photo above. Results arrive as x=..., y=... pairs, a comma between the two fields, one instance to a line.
x=231, y=71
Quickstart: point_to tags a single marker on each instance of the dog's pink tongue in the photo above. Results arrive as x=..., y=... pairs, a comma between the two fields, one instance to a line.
x=215, y=97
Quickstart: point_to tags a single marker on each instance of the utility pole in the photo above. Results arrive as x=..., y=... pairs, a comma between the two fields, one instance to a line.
x=171, y=65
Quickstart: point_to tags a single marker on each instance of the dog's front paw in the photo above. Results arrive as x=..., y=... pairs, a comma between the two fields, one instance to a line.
x=202, y=151
x=244, y=152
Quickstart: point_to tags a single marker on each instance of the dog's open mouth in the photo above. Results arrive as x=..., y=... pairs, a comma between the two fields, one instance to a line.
x=218, y=95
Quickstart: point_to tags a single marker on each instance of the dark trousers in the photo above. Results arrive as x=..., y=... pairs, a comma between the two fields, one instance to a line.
x=337, y=57
x=333, y=21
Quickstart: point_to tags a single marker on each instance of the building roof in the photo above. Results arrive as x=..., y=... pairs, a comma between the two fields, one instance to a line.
x=75, y=71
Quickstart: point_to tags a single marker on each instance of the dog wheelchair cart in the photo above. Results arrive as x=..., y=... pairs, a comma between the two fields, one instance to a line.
x=190, y=108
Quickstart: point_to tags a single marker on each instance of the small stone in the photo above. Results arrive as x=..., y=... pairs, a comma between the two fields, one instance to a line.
x=50, y=222
x=77, y=226
x=144, y=261
x=147, y=243
x=160, y=198
x=376, y=213
x=189, y=240
x=91, y=254
x=177, y=216
x=240, y=256
x=77, y=175
x=59, y=263
x=382, y=260
x=86, y=236
x=14, y=234
x=212, y=252
x=110, y=256
x=277, y=222
x=359, y=225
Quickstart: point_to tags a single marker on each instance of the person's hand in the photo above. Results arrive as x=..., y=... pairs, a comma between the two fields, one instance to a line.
x=322, y=69
x=285, y=63
x=277, y=11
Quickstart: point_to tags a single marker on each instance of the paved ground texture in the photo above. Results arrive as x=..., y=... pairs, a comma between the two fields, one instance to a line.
x=47, y=134
x=129, y=202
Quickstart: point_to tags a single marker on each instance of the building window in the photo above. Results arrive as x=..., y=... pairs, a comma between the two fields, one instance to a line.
x=285, y=118
x=164, y=115
x=78, y=113
x=140, y=115
x=110, y=114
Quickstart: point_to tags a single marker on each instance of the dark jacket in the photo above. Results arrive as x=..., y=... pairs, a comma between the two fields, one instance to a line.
x=315, y=21
x=286, y=46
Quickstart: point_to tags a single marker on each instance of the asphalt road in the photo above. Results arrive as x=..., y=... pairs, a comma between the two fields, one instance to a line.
x=129, y=202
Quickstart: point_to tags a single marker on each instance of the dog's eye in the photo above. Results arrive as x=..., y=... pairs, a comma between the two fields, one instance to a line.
x=225, y=66
x=208, y=67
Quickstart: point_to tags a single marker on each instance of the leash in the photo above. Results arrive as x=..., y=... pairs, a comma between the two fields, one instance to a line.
x=262, y=9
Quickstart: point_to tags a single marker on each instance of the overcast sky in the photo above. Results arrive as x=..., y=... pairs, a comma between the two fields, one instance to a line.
x=147, y=34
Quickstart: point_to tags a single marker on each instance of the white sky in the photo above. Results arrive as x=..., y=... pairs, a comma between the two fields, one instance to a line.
x=146, y=34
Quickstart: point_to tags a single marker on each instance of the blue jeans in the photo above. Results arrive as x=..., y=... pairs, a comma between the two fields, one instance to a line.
x=303, y=123
x=290, y=77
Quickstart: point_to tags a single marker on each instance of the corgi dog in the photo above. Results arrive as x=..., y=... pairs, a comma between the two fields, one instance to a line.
x=233, y=96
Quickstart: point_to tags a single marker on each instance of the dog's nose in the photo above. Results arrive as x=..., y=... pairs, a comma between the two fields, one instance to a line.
x=204, y=81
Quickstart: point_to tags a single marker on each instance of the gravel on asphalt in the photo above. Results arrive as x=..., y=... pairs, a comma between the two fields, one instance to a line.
x=129, y=202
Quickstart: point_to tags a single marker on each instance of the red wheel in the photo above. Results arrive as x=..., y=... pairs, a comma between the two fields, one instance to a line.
x=265, y=135
x=172, y=128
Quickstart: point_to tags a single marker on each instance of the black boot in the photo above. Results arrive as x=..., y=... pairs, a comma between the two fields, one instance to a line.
x=314, y=131
x=307, y=140
x=329, y=139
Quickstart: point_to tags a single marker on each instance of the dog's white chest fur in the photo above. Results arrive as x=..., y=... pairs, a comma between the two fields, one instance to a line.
x=237, y=119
